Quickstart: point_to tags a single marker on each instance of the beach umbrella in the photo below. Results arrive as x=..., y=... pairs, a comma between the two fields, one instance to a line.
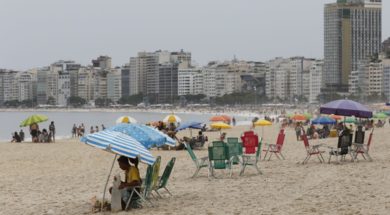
x=262, y=123
x=299, y=117
x=147, y=136
x=227, y=118
x=126, y=119
x=350, y=120
x=380, y=115
x=218, y=119
x=172, y=119
x=323, y=120
x=335, y=117
x=345, y=107
x=387, y=113
x=308, y=115
x=119, y=144
x=189, y=125
x=220, y=126
x=37, y=118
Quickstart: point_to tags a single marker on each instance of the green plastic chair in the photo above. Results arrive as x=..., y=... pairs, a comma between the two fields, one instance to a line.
x=199, y=163
x=165, y=177
x=250, y=160
x=145, y=188
x=218, y=157
x=234, y=150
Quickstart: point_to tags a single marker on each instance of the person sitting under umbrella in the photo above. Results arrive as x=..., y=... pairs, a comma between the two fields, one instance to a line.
x=132, y=179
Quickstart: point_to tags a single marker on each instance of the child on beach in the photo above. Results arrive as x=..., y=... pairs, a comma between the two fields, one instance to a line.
x=16, y=138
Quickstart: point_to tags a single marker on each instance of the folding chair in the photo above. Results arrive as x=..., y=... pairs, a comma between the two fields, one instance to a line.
x=276, y=148
x=312, y=150
x=343, y=148
x=163, y=181
x=363, y=149
x=252, y=159
x=199, y=163
x=218, y=157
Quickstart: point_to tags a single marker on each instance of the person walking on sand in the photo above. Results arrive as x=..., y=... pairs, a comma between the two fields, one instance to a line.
x=52, y=131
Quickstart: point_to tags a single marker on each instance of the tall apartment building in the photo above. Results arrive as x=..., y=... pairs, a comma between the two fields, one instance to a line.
x=168, y=82
x=125, y=80
x=190, y=81
x=352, y=33
x=386, y=78
x=316, y=80
x=144, y=69
x=8, y=86
x=102, y=62
x=25, y=85
x=85, y=84
x=114, y=84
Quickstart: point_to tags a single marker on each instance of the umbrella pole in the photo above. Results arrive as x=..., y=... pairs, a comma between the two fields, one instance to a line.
x=108, y=178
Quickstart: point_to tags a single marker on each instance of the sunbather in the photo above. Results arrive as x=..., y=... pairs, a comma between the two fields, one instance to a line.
x=132, y=179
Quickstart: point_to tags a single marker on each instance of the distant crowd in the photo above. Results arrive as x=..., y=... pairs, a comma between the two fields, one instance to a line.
x=37, y=135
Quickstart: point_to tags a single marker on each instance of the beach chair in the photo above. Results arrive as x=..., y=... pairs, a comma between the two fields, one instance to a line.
x=163, y=181
x=363, y=149
x=218, y=157
x=155, y=174
x=249, y=142
x=275, y=148
x=234, y=149
x=312, y=150
x=199, y=163
x=343, y=148
x=252, y=160
x=143, y=191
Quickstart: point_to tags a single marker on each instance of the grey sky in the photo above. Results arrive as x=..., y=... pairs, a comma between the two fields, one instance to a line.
x=36, y=33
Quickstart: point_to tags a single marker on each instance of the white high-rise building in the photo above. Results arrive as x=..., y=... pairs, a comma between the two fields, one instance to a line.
x=114, y=85
x=25, y=86
x=190, y=81
x=386, y=78
x=316, y=80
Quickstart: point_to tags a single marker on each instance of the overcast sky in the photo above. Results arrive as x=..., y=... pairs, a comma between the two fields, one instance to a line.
x=35, y=33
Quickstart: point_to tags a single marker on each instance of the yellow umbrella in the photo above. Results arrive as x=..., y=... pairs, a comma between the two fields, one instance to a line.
x=220, y=126
x=126, y=119
x=172, y=119
x=262, y=123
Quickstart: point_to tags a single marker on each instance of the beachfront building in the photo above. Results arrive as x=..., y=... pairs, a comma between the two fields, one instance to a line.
x=100, y=84
x=190, y=81
x=352, y=33
x=8, y=86
x=85, y=84
x=294, y=84
x=209, y=82
x=25, y=85
x=386, y=78
x=167, y=82
x=114, y=84
x=102, y=62
x=144, y=70
x=125, y=80
x=316, y=81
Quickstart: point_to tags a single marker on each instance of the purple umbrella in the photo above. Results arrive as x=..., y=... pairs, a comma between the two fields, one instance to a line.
x=346, y=107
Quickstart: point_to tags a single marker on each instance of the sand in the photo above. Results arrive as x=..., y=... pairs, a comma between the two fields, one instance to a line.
x=61, y=178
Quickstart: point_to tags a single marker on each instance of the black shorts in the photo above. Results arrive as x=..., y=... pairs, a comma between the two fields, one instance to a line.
x=34, y=133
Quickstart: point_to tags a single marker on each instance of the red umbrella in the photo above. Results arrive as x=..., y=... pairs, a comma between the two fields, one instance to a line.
x=218, y=119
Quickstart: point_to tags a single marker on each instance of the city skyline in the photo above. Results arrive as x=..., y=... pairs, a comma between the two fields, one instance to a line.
x=42, y=32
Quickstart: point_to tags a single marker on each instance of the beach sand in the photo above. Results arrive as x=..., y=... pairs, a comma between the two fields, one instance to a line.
x=62, y=178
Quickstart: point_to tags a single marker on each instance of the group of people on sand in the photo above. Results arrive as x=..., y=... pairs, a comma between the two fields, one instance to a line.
x=18, y=137
x=79, y=131
x=37, y=135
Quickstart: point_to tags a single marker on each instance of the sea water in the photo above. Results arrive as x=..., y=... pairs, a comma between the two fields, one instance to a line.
x=64, y=120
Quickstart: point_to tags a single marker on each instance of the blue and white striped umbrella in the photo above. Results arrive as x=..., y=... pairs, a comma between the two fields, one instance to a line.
x=147, y=136
x=119, y=143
